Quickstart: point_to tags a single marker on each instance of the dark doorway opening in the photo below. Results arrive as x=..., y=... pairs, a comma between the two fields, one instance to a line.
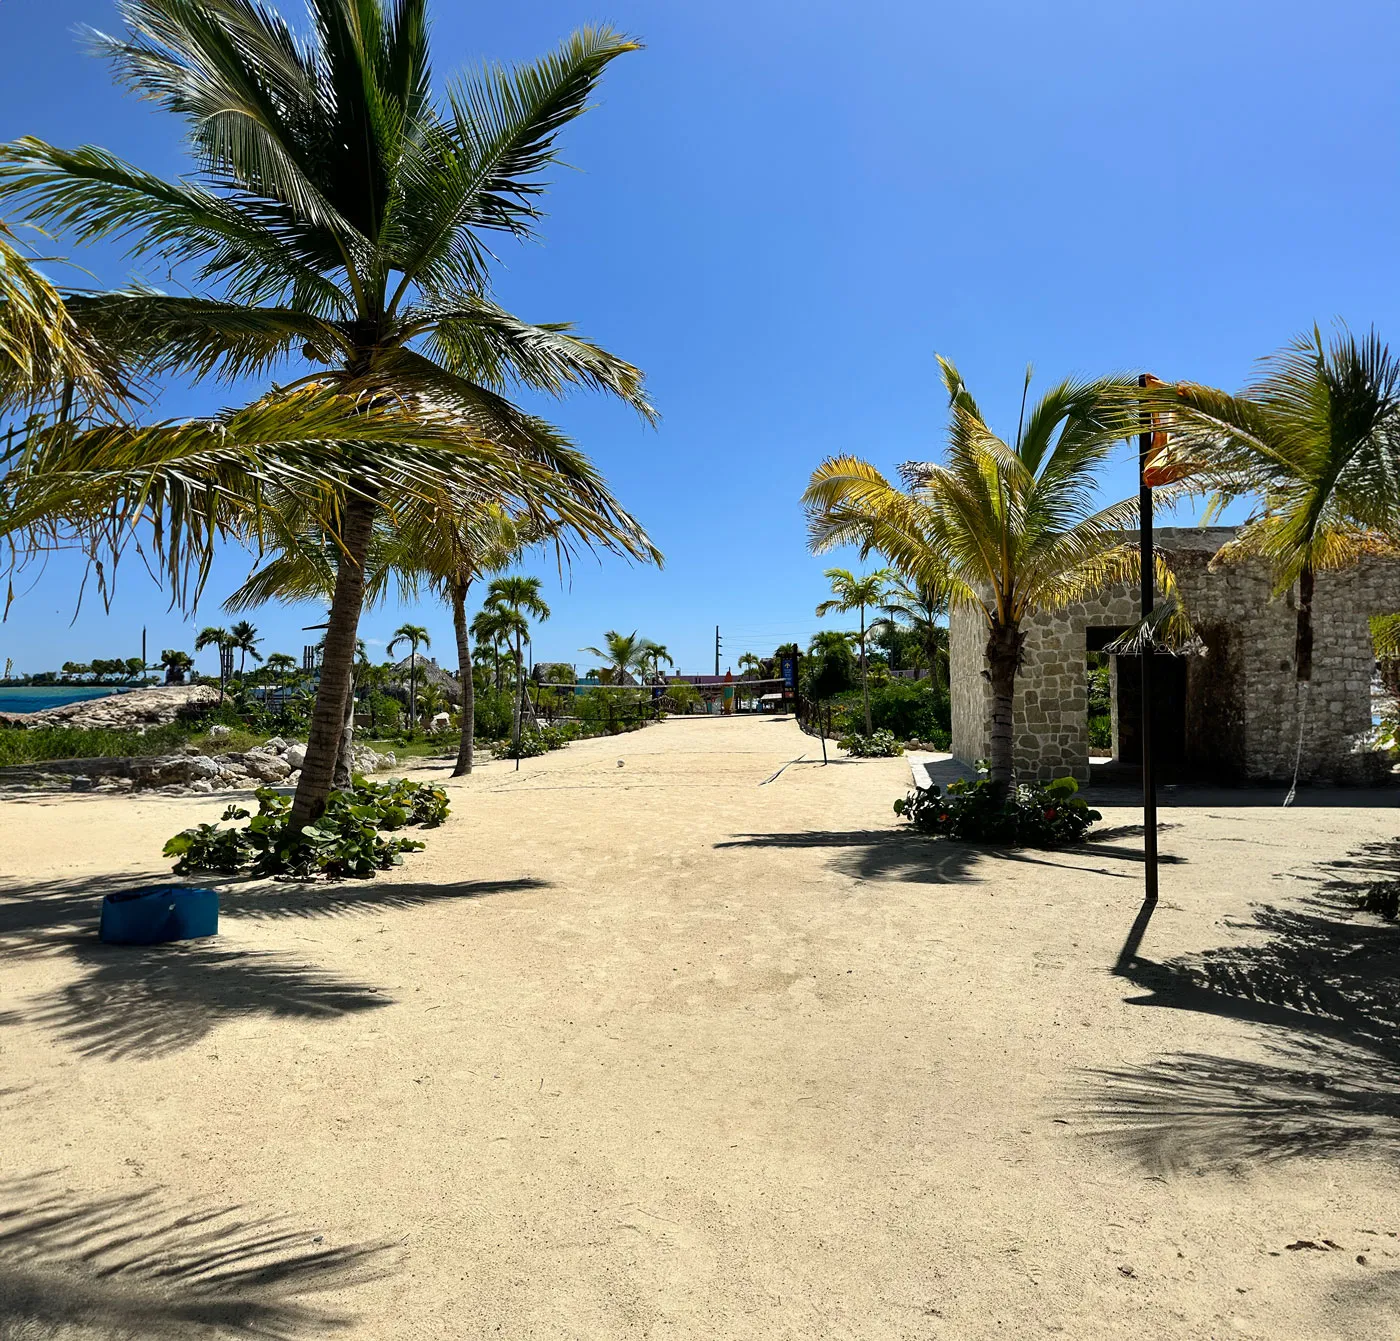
x=1169, y=701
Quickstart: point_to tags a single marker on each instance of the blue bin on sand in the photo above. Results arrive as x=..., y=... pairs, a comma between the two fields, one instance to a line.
x=159, y=913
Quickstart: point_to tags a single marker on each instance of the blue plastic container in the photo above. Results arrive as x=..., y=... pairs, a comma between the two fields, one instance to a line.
x=159, y=913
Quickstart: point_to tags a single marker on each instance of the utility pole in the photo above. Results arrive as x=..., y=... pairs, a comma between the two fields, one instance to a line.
x=716, y=649
x=1149, y=652
x=144, y=662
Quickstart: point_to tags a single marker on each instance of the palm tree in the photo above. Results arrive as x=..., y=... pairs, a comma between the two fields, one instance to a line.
x=750, y=663
x=213, y=636
x=245, y=642
x=622, y=653
x=492, y=627
x=1316, y=439
x=432, y=700
x=922, y=605
x=653, y=654
x=176, y=665
x=856, y=593
x=412, y=634
x=340, y=213
x=280, y=665
x=1006, y=529
x=520, y=598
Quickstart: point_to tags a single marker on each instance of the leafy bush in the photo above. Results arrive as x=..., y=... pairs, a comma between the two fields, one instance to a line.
x=345, y=841
x=914, y=710
x=1383, y=899
x=1033, y=814
x=531, y=746
x=878, y=745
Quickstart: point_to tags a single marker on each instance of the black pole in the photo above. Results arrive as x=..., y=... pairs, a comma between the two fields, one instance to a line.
x=1149, y=652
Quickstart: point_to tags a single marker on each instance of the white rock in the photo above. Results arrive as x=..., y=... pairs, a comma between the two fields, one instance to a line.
x=220, y=732
x=277, y=745
x=295, y=756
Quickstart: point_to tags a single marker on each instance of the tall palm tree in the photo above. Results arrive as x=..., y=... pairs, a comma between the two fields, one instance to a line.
x=856, y=593
x=1316, y=440
x=1008, y=529
x=245, y=642
x=748, y=662
x=622, y=653
x=519, y=597
x=923, y=606
x=340, y=213
x=412, y=634
x=280, y=665
x=213, y=636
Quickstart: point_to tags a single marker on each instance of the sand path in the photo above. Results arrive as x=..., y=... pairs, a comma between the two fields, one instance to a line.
x=654, y=1050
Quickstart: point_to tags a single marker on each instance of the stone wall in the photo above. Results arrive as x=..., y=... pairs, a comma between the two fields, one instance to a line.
x=1242, y=714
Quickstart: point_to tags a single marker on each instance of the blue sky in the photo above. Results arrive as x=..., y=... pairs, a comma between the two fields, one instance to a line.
x=783, y=209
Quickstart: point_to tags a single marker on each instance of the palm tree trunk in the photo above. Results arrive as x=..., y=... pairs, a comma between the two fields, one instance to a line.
x=864, y=678
x=1303, y=647
x=519, y=689
x=464, y=669
x=1003, y=661
x=413, y=686
x=337, y=664
x=344, y=777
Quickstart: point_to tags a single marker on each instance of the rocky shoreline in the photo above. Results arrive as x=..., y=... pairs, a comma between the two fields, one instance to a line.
x=137, y=710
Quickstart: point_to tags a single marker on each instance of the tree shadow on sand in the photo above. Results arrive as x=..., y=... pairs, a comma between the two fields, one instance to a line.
x=1325, y=985
x=130, y=1265
x=875, y=854
x=149, y=1001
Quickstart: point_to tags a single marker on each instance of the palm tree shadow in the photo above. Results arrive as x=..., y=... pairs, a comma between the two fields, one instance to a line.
x=1325, y=984
x=130, y=1265
x=152, y=1001
x=876, y=854
x=133, y=1001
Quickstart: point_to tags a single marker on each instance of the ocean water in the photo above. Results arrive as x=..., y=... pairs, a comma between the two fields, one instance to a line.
x=34, y=698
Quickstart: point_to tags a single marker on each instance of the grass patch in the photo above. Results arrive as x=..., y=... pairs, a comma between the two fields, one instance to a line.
x=32, y=746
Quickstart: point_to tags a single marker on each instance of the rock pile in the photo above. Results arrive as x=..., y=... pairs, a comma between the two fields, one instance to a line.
x=134, y=711
x=275, y=763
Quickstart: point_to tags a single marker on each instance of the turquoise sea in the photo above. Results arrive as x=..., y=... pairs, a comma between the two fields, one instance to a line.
x=34, y=698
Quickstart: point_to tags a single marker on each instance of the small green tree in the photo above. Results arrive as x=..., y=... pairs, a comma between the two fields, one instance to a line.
x=413, y=635
x=850, y=592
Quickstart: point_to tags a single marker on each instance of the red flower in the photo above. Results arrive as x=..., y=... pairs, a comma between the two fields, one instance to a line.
x=1050, y=814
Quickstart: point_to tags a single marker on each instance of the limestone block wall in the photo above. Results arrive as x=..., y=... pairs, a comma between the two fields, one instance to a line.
x=1243, y=714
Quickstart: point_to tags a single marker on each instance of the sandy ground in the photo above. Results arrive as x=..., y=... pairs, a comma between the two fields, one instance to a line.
x=640, y=1047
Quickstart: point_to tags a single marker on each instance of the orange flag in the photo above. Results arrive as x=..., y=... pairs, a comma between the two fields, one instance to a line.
x=1155, y=471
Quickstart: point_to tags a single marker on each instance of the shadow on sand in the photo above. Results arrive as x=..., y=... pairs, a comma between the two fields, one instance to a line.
x=135, y=1001
x=1325, y=985
x=131, y=1265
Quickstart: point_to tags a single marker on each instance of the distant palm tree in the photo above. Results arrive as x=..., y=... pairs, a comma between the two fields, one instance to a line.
x=279, y=665
x=412, y=634
x=653, y=654
x=519, y=597
x=245, y=643
x=491, y=626
x=176, y=665
x=622, y=653
x=212, y=636
x=856, y=593
x=432, y=700
x=922, y=605
x=748, y=662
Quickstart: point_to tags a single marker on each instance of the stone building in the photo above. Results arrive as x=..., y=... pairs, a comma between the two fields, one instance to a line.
x=1226, y=712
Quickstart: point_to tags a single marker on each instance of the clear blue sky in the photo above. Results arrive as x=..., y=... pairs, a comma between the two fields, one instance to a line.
x=784, y=209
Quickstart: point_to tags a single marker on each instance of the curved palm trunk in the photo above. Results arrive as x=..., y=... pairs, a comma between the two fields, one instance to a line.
x=1003, y=661
x=337, y=664
x=864, y=678
x=464, y=668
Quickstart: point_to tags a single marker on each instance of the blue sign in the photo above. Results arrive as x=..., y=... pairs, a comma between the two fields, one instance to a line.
x=790, y=670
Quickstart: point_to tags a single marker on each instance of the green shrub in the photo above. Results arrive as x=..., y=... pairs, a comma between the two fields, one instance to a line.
x=908, y=710
x=878, y=745
x=1101, y=731
x=1033, y=814
x=345, y=841
x=531, y=746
